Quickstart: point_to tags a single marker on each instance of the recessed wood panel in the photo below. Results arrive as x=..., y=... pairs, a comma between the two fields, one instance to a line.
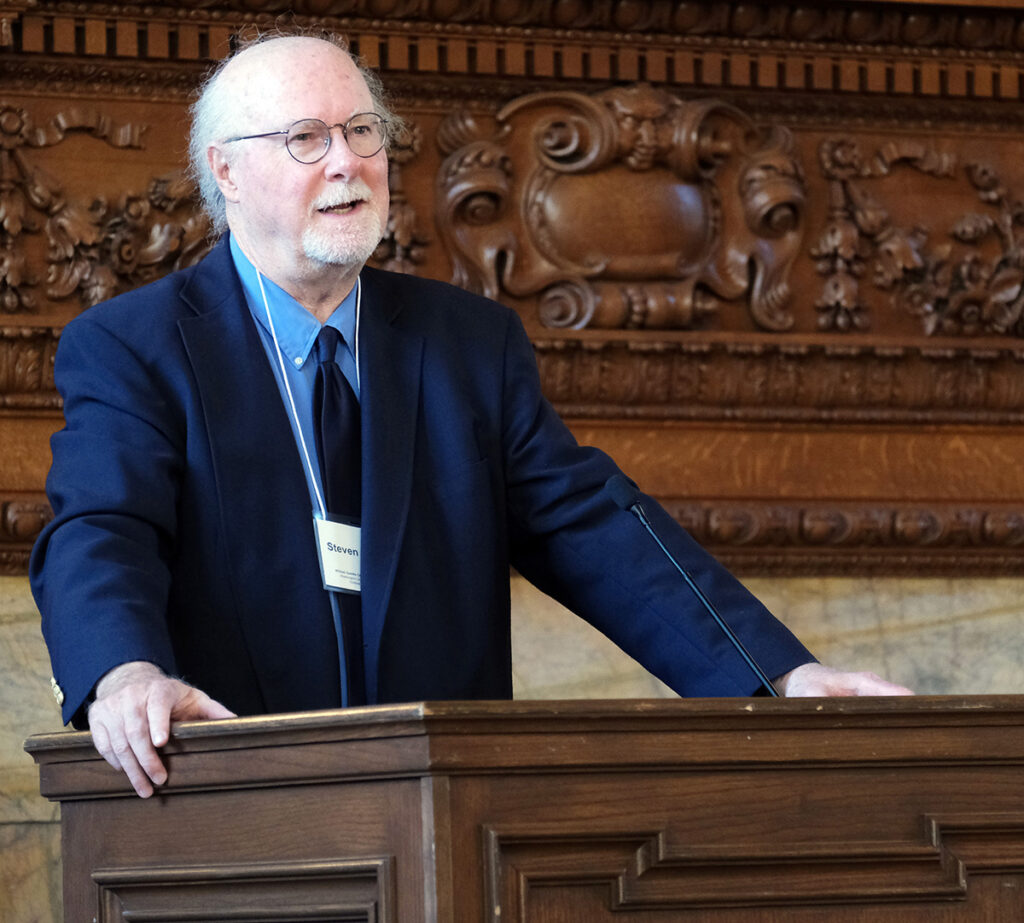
x=273, y=892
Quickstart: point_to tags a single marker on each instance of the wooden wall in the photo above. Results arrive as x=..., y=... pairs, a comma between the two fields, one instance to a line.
x=771, y=255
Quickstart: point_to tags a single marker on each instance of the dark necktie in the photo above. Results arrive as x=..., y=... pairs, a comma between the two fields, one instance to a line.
x=338, y=444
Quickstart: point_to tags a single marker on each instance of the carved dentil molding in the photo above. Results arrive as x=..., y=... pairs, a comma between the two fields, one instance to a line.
x=911, y=25
x=901, y=52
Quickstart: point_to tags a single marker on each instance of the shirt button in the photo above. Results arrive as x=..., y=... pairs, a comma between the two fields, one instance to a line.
x=298, y=360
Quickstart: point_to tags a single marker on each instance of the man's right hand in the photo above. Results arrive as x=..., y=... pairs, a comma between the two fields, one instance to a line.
x=132, y=714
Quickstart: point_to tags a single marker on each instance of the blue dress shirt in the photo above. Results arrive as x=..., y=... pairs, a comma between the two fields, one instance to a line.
x=297, y=331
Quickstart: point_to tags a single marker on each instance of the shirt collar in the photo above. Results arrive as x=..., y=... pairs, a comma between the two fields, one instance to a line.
x=296, y=328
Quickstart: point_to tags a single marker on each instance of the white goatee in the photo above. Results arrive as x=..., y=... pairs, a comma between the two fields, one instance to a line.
x=352, y=244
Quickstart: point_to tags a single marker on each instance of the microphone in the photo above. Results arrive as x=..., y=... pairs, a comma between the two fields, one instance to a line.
x=625, y=494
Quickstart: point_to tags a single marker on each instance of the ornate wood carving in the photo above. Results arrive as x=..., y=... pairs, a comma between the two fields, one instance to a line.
x=867, y=538
x=760, y=538
x=26, y=367
x=100, y=249
x=402, y=249
x=965, y=293
x=21, y=520
x=629, y=209
x=94, y=251
x=762, y=379
x=725, y=212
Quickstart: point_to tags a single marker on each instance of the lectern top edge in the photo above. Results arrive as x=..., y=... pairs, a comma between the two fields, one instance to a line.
x=419, y=718
x=449, y=740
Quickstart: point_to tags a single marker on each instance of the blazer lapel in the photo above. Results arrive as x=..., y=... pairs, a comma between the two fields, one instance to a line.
x=390, y=368
x=263, y=499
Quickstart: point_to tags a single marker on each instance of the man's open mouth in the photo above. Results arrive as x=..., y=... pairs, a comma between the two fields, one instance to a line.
x=341, y=208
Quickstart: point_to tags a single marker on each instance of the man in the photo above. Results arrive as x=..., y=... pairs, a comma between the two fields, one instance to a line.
x=182, y=483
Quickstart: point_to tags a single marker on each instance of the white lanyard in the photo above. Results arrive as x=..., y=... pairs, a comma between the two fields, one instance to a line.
x=310, y=470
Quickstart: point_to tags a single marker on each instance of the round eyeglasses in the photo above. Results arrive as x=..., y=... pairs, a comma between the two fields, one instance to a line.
x=308, y=140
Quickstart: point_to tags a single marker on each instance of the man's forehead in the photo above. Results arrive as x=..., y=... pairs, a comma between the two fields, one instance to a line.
x=291, y=75
x=289, y=64
x=297, y=46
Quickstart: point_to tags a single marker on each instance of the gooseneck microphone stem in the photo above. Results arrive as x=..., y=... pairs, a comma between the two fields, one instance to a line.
x=626, y=495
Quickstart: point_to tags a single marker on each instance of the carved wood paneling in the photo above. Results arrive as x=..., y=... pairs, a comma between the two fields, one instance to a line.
x=926, y=539
x=642, y=871
x=94, y=252
x=349, y=890
x=732, y=213
x=740, y=811
x=756, y=379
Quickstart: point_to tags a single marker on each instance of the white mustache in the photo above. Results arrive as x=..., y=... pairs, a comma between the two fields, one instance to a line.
x=343, y=194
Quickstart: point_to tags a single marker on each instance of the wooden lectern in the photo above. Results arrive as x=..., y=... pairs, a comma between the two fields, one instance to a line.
x=712, y=810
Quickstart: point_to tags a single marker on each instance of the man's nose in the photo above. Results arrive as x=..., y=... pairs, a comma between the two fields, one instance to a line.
x=339, y=157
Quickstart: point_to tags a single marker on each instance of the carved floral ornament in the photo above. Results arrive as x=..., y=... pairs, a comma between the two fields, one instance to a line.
x=99, y=250
x=626, y=209
x=403, y=247
x=633, y=209
x=967, y=281
x=93, y=251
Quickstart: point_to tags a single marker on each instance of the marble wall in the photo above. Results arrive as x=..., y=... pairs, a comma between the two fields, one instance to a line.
x=938, y=636
x=29, y=825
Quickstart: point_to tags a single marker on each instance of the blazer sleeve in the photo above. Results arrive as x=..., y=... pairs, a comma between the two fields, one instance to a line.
x=99, y=570
x=574, y=543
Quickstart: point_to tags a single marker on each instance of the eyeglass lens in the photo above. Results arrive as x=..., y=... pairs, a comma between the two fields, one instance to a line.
x=309, y=139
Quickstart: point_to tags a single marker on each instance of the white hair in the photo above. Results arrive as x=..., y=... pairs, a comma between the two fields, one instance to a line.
x=215, y=108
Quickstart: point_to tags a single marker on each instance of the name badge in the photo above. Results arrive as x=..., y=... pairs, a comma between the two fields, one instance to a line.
x=338, y=546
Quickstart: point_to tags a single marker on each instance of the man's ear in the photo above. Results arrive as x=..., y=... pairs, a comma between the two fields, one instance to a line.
x=222, y=169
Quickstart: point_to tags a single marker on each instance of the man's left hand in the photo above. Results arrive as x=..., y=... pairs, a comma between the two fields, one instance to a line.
x=815, y=679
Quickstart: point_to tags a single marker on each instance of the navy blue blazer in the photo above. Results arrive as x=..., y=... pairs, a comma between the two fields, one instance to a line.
x=182, y=530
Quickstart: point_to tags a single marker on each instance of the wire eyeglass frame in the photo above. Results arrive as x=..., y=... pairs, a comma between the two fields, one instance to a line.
x=321, y=134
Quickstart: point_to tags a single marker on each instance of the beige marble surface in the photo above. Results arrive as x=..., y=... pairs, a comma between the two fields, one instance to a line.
x=26, y=704
x=29, y=829
x=30, y=873
x=937, y=636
